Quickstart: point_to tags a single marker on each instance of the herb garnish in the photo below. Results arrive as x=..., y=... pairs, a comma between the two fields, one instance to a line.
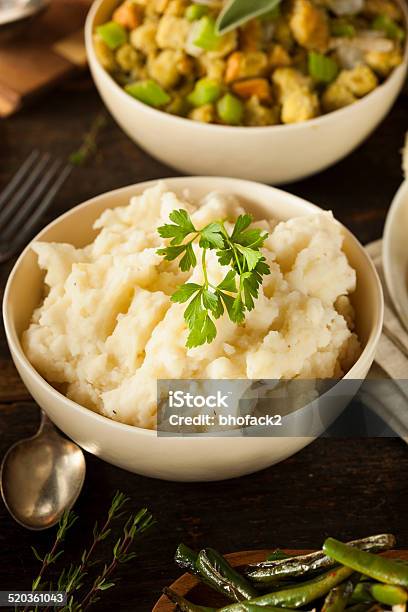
x=74, y=579
x=238, y=12
x=237, y=291
x=88, y=145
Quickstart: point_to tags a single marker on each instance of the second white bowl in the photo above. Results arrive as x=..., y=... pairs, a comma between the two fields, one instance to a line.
x=274, y=154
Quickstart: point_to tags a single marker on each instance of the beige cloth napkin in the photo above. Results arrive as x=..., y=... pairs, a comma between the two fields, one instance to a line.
x=389, y=397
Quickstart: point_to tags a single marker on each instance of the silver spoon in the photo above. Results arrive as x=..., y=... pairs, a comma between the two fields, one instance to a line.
x=41, y=477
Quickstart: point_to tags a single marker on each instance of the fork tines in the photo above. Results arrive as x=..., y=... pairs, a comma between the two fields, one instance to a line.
x=26, y=198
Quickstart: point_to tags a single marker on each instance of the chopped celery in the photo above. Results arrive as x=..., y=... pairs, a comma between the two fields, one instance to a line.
x=323, y=69
x=204, y=92
x=206, y=36
x=195, y=12
x=113, y=34
x=389, y=27
x=342, y=28
x=230, y=109
x=148, y=92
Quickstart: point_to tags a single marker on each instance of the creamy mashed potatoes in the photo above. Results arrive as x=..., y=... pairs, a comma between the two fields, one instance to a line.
x=107, y=330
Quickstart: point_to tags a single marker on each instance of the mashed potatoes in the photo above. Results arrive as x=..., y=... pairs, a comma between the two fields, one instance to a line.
x=107, y=330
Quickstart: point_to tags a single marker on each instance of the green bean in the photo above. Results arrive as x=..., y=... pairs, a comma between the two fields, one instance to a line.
x=245, y=606
x=267, y=572
x=338, y=597
x=219, y=574
x=302, y=594
x=374, y=566
x=278, y=555
x=186, y=558
x=387, y=594
x=184, y=605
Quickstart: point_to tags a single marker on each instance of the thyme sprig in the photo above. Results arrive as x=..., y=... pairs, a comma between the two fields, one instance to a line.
x=73, y=579
x=237, y=292
x=66, y=522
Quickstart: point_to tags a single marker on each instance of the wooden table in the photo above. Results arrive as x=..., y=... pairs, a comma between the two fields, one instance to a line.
x=346, y=488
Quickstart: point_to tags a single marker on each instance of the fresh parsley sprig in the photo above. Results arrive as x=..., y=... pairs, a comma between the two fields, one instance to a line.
x=237, y=292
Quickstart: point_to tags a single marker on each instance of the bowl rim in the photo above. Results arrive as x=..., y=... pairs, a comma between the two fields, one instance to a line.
x=310, y=123
x=14, y=341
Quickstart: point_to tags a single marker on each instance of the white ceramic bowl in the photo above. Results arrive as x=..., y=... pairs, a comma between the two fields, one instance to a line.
x=395, y=252
x=275, y=154
x=140, y=450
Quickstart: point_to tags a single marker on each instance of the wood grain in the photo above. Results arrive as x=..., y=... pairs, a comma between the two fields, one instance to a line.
x=38, y=57
x=190, y=587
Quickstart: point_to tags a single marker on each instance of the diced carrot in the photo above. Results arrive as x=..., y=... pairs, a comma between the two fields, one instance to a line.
x=253, y=87
x=128, y=15
x=233, y=66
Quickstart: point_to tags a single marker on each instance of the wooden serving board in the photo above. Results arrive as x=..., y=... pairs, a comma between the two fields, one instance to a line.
x=190, y=587
x=48, y=48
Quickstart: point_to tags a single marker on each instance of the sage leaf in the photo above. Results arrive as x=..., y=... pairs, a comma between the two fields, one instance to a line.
x=237, y=12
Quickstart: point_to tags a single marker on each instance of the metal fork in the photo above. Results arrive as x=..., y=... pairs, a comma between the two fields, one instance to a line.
x=26, y=198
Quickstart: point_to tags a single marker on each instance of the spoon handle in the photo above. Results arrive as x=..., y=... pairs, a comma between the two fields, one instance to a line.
x=45, y=424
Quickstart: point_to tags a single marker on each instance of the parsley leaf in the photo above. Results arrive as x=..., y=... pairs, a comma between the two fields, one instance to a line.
x=210, y=300
x=171, y=252
x=203, y=331
x=189, y=259
x=252, y=238
x=194, y=310
x=241, y=224
x=237, y=310
x=228, y=284
x=251, y=257
x=211, y=237
x=237, y=292
x=182, y=227
x=185, y=292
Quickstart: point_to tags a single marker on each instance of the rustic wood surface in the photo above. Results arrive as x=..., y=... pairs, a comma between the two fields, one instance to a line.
x=346, y=488
x=191, y=588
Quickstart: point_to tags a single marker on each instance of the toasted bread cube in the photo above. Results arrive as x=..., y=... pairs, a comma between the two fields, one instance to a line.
x=310, y=25
x=212, y=67
x=348, y=87
x=204, y=114
x=164, y=68
x=177, y=8
x=360, y=80
x=258, y=115
x=172, y=32
x=384, y=62
x=242, y=65
x=144, y=37
x=336, y=96
x=288, y=80
x=127, y=58
x=300, y=105
x=279, y=57
x=299, y=102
